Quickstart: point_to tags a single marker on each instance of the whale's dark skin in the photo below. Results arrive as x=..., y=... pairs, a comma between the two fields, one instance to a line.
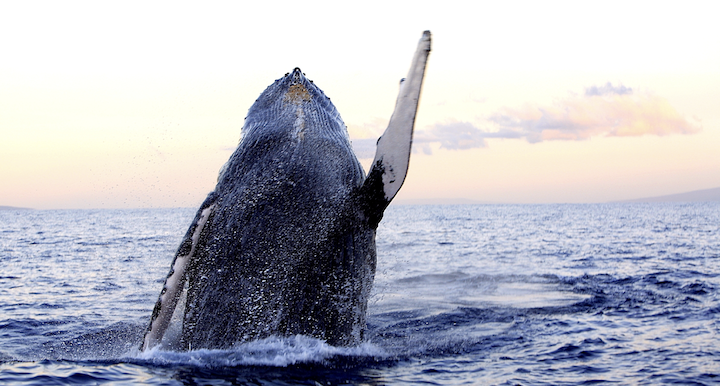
x=285, y=244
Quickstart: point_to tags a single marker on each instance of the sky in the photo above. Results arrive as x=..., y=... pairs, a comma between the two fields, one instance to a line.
x=139, y=103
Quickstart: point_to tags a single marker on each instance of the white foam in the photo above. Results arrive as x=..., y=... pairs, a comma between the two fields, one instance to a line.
x=272, y=351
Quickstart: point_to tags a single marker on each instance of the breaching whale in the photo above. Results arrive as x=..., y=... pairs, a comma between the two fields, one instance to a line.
x=285, y=244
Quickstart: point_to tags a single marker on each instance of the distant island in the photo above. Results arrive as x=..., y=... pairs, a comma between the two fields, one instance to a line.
x=694, y=196
x=703, y=195
x=12, y=208
x=439, y=201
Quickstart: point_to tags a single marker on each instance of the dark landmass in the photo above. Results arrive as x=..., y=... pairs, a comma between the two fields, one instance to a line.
x=440, y=201
x=13, y=208
x=694, y=196
x=705, y=195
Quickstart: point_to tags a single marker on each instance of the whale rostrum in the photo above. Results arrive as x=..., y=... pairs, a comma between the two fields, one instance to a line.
x=285, y=244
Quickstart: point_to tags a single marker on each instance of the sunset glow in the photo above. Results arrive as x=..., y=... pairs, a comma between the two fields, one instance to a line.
x=135, y=104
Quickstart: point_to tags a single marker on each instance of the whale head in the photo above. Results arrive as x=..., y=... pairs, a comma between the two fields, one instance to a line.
x=293, y=107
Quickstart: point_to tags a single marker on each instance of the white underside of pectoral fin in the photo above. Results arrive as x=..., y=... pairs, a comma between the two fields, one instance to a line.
x=393, y=148
x=173, y=287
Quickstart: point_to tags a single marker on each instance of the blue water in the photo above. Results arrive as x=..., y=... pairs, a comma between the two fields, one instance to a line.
x=488, y=294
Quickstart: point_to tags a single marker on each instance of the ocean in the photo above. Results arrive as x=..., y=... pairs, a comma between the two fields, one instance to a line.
x=465, y=294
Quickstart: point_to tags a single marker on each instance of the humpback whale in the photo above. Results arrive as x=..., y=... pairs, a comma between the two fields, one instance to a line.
x=285, y=244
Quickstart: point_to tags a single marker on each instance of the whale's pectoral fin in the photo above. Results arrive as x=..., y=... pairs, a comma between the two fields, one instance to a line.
x=392, y=156
x=175, y=281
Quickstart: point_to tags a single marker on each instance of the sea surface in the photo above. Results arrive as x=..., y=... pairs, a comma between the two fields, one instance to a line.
x=466, y=294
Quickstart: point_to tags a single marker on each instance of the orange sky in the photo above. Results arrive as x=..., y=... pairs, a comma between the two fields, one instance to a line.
x=139, y=104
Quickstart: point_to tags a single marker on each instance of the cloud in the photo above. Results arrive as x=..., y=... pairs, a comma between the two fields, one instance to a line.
x=607, y=89
x=603, y=111
x=364, y=148
x=451, y=135
x=364, y=136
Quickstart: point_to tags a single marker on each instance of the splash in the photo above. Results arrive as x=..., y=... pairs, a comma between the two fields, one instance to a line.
x=273, y=351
